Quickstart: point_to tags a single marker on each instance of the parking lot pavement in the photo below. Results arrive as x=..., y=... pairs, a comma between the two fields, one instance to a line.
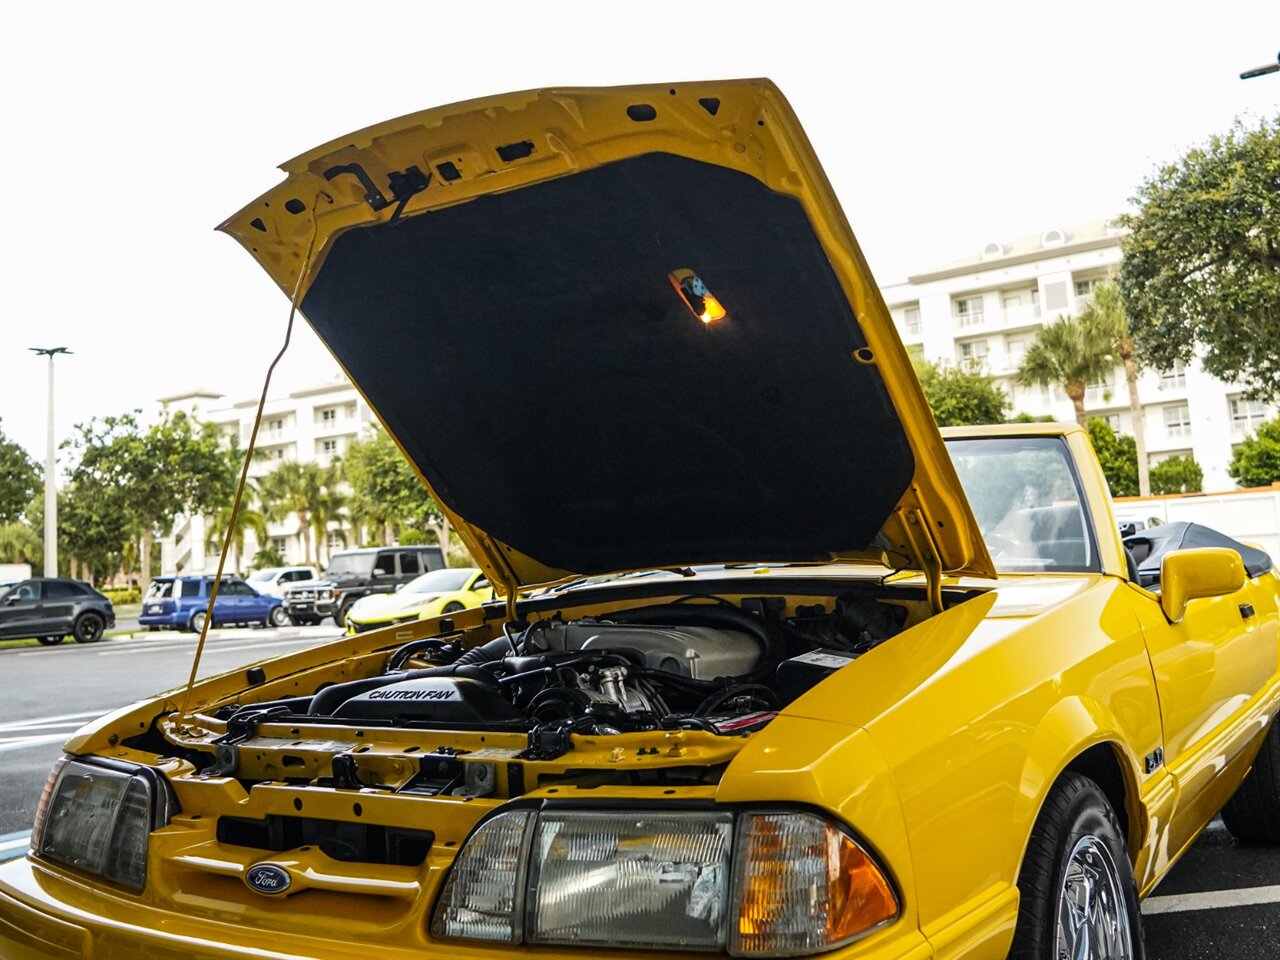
x=1221, y=901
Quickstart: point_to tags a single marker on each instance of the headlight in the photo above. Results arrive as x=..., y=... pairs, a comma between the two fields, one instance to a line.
x=755, y=883
x=98, y=818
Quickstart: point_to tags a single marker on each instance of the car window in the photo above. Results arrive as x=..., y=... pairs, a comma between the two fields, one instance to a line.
x=237, y=588
x=54, y=589
x=264, y=576
x=410, y=563
x=190, y=588
x=28, y=590
x=385, y=565
x=158, y=590
x=481, y=584
x=1026, y=499
x=439, y=581
x=345, y=564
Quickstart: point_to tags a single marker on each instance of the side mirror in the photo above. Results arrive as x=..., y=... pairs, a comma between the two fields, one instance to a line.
x=1186, y=575
x=10, y=600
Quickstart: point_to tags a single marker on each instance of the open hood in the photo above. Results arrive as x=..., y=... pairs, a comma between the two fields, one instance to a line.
x=619, y=328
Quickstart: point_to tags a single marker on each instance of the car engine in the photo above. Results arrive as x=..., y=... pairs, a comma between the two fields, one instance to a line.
x=712, y=666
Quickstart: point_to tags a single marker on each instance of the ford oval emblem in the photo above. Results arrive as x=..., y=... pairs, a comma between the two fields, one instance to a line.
x=268, y=878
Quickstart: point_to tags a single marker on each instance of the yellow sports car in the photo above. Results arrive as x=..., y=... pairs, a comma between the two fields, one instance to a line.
x=438, y=593
x=794, y=674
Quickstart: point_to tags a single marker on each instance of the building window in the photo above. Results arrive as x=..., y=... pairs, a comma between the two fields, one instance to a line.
x=279, y=453
x=1018, y=351
x=911, y=320
x=1175, y=378
x=1113, y=421
x=329, y=415
x=1246, y=414
x=329, y=446
x=280, y=545
x=973, y=352
x=1084, y=288
x=336, y=540
x=969, y=311
x=1177, y=420
x=276, y=425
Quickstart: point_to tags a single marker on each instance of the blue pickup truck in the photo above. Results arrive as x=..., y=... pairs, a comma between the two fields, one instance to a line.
x=182, y=603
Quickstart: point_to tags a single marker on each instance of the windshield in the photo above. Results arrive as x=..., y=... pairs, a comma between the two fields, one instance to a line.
x=1025, y=496
x=440, y=581
x=262, y=576
x=345, y=564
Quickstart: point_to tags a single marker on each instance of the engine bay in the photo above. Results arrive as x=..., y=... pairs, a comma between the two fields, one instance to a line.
x=703, y=664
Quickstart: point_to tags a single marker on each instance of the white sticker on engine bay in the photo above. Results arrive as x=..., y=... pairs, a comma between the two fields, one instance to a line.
x=833, y=660
x=492, y=753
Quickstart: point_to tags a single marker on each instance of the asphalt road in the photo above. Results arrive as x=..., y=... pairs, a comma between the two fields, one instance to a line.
x=1221, y=902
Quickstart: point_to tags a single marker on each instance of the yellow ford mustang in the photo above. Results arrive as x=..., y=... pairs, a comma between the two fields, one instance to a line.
x=434, y=594
x=799, y=676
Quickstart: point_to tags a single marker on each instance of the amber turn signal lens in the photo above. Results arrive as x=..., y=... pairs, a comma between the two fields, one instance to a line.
x=805, y=885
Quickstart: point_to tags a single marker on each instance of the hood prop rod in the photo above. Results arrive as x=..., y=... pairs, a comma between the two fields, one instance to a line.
x=244, y=469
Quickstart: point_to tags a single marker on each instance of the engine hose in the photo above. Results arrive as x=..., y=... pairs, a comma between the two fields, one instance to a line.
x=728, y=693
x=485, y=653
x=397, y=659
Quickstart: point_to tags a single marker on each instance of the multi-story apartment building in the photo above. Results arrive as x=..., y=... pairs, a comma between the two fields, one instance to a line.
x=315, y=424
x=985, y=310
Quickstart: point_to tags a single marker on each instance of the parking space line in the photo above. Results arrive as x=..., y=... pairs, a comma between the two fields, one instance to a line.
x=1211, y=900
x=58, y=720
x=14, y=847
x=22, y=743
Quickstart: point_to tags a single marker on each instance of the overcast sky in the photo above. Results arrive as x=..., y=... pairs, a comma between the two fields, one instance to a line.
x=128, y=131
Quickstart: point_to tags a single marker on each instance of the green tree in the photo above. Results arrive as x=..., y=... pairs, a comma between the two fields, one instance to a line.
x=152, y=476
x=386, y=492
x=1068, y=354
x=307, y=492
x=19, y=479
x=1256, y=462
x=1105, y=315
x=246, y=521
x=1118, y=455
x=959, y=396
x=19, y=543
x=1201, y=268
x=267, y=557
x=1177, y=475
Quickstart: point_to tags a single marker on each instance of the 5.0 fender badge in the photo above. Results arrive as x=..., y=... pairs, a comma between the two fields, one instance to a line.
x=267, y=878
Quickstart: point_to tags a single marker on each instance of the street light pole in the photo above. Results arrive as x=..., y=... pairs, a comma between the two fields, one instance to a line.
x=50, y=477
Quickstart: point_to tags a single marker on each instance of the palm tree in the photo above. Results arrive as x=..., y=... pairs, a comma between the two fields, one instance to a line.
x=292, y=489
x=329, y=506
x=248, y=519
x=1105, y=315
x=1069, y=354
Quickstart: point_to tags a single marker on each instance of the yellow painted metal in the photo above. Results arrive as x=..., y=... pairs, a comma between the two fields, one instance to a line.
x=1198, y=573
x=937, y=747
x=753, y=131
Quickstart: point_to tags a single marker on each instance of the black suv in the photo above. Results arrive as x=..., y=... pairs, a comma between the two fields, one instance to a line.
x=353, y=574
x=50, y=608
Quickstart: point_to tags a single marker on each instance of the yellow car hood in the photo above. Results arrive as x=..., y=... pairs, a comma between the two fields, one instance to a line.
x=502, y=280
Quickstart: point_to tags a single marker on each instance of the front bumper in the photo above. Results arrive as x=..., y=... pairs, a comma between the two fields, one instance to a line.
x=46, y=914
x=310, y=608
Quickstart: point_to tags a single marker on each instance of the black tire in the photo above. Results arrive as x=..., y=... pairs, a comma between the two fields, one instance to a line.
x=1253, y=813
x=197, y=621
x=49, y=641
x=452, y=607
x=275, y=618
x=340, y=616
x=88, y=627
x=153, y=627
x=1076, y=832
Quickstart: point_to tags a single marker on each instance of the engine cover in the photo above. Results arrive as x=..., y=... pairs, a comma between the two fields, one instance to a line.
x=437, y=699
x=702, y=653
